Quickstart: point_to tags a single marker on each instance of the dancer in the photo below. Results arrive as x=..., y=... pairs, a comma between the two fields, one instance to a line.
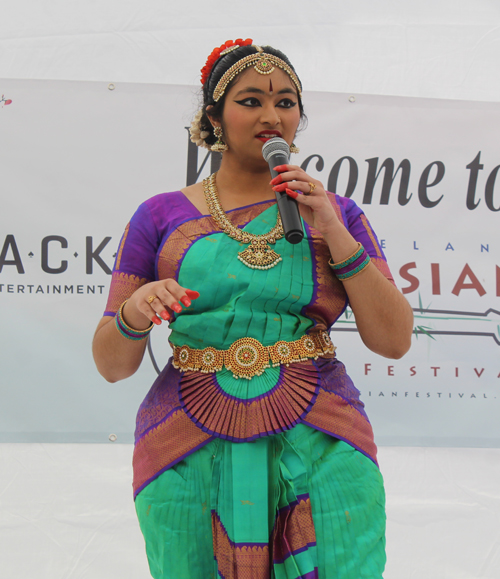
x=254, y=456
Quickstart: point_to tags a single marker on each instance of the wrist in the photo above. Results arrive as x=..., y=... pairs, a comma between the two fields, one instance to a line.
x=340, y=242
x=134, y=318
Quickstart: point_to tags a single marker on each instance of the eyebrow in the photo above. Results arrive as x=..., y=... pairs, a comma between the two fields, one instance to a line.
x=253, y=89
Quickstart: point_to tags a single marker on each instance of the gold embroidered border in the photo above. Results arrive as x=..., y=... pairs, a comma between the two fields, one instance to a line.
x=163, y=445
x=238, y=562
x=330, y=296
x=294, y=530
x=120, y=250
x=122, y=287
x=235, y=419
x=371, y=235
x=334, y=415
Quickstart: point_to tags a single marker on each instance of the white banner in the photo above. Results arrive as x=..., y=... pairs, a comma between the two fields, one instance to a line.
x=78, y=158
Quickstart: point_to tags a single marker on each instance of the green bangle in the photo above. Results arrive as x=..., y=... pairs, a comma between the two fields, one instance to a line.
x=126, y=331
x=356, y=255
x=355, y=271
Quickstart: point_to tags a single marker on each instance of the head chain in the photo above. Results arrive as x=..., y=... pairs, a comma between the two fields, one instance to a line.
x=262, y=63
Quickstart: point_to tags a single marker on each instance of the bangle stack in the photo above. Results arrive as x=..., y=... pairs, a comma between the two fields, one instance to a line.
x=351, y=266
x=128, y=332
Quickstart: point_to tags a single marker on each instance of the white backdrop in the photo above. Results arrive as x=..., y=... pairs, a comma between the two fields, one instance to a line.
x=94, y=154
x=443, y=504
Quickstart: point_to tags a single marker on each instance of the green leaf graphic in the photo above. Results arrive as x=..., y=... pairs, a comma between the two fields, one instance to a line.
x=423, y=330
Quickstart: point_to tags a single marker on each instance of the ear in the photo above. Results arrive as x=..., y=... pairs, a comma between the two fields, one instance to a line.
x=213, y=121
x=208, y=109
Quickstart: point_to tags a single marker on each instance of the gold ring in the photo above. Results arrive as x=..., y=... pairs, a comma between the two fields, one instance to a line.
x=312, y=187
x=151, y=299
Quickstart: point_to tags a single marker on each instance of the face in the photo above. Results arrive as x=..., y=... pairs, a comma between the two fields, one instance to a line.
x=257, y=108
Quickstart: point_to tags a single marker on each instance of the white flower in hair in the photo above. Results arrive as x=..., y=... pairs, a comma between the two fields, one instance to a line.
x=197, y=135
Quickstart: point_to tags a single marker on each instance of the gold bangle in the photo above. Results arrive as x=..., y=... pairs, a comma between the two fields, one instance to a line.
x=348, y=260
x=122, y=324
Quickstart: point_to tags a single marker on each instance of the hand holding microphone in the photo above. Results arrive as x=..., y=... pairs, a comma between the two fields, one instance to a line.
x=277, y=152
x=293, y=187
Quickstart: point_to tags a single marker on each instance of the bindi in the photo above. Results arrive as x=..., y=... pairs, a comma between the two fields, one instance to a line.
x=270, y=86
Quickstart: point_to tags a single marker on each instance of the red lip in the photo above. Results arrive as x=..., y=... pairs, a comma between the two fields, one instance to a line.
x=270, y=132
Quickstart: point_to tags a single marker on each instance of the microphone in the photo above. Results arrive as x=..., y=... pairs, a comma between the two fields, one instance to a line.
x=277, y=152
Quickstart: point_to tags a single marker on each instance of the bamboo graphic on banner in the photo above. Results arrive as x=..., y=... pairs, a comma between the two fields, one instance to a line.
x=443, y=323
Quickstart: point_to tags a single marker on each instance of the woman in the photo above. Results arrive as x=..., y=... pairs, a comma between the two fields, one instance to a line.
x=254, y=456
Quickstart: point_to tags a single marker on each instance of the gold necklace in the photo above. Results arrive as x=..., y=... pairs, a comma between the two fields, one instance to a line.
x=258, y=255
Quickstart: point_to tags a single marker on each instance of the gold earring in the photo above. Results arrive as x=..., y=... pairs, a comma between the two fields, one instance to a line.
x=294, y=148
x=219, y=146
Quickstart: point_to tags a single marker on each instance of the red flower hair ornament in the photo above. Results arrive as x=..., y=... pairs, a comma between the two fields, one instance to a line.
x=220, y=51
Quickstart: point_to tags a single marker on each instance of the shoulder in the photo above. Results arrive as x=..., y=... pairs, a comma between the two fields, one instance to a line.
x=165, y=210
x=167, y=202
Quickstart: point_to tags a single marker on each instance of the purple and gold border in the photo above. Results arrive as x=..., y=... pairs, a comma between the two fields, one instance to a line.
x=222, y=415
x=122, y=287
x=165, y=445
x=293, y=529
x=233, y=558
x=335, y=416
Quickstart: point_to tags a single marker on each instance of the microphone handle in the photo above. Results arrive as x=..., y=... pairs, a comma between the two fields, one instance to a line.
x=288, y=207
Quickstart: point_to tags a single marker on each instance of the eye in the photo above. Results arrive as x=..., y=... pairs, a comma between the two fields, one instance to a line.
x=286, y=104
x=249, y=102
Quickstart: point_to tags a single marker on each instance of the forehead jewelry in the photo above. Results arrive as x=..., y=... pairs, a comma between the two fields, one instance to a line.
x=263, y=63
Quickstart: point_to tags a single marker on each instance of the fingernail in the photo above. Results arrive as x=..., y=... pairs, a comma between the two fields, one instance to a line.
x=192, y=294
x=186, y=301
x=156, y=321
x=177, y=308
x=165, y=315
x=280, y=187
x=292, y=193
x=276, y=180
x=280, y=168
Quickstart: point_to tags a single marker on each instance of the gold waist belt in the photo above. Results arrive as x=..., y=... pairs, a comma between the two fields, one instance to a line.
x=247, y=357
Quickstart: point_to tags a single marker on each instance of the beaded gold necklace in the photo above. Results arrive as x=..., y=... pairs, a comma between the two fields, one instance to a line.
x=258, y=255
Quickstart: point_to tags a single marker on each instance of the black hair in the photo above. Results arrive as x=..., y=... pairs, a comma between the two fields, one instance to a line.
x=220, y=67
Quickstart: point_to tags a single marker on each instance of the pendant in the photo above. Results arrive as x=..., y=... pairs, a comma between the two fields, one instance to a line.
x=259, y=255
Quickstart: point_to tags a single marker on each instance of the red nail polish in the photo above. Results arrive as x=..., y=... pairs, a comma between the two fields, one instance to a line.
x=186, y=301
x=156, y=321
x=292, y=193
x=281, y=187
x=192, y=294
x=277, y=180
x=177, y=308
x=165, y=315
x=280, y=168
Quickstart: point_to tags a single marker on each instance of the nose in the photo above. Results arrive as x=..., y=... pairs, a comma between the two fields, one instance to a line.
x=269, y=115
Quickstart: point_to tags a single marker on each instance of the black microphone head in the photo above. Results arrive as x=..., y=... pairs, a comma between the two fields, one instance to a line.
x=275, y=146
x=294, y=236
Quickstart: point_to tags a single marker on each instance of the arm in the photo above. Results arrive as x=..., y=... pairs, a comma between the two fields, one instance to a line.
x=383, y=316
x=115, y=356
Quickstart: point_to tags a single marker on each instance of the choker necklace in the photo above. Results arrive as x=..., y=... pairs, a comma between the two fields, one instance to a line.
x=258, y=255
